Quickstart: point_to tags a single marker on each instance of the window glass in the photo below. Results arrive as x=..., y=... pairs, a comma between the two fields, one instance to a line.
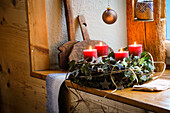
x=168, y=19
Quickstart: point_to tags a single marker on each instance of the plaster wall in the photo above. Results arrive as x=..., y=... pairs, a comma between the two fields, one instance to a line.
x=114, y=35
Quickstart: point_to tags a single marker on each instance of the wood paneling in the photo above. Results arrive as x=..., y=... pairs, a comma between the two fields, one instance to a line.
x=38, y=34
x=19, y=92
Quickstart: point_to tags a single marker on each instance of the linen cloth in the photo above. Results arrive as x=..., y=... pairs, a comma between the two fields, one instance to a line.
x=155, y=85
x=53, y=84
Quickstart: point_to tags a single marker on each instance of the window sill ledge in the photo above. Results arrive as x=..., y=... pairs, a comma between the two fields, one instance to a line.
x=43, y=74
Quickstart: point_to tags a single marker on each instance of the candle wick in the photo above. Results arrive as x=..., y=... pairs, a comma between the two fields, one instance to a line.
x=135, y=44
x=100, y=43
x=121, y=50
x=90, y=48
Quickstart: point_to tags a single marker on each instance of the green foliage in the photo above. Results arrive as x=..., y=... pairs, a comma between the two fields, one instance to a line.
x=90, y=74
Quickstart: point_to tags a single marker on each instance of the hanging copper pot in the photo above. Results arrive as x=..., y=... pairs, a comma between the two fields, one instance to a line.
x=109, y=16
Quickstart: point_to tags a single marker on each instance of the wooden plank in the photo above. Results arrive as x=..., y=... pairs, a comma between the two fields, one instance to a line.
x=66, y=48
x=152, y=101
x=19, y=92
x=39, y=49
x=43, y=74
x=98, y=104
x=69, y=19
x=135, y=29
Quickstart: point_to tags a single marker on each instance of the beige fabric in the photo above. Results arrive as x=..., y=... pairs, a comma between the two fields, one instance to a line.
x=155, y=85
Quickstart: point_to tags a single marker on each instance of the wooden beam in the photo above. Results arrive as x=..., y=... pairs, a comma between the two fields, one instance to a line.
x=69, y=20
x=156, y=34
x=37, y=20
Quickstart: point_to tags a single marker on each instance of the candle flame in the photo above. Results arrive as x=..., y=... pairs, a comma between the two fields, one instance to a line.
x=101, y=44
x=134, y=43
x=121, y=50
x=90, y=48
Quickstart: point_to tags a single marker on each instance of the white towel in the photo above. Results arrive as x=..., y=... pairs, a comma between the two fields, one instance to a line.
x=53, y=83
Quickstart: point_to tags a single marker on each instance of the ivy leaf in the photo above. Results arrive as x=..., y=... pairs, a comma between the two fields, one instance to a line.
x=124, y=63
x=105, y=67
x=143, y=54
x=112, y=54
x=147, y=58
x=135, y=63
x=141, y=61
x=71, y=65
x=89, y=78
x=146, y=71
x=144, y=78
x=128, y=59
x=76, y=72
x=132, y=78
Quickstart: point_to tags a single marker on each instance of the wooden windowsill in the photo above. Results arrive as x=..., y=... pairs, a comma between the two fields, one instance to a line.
x=43, y=74
x=152, y=101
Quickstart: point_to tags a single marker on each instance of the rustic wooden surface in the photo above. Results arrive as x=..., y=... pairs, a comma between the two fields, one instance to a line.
x=151, y=34
x=77, y=51
x=98, y=104
x=152, y=101
x=43, y=74
x=19, y=92
x=39, y=49
x=66, y=48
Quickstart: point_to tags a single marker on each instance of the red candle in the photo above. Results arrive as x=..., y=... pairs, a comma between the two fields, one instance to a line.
x=90, y=53
x=102, y=50
x=121, y=55
x=135, y=49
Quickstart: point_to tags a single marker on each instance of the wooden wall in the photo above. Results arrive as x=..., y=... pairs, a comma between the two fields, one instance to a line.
x=19, y=92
